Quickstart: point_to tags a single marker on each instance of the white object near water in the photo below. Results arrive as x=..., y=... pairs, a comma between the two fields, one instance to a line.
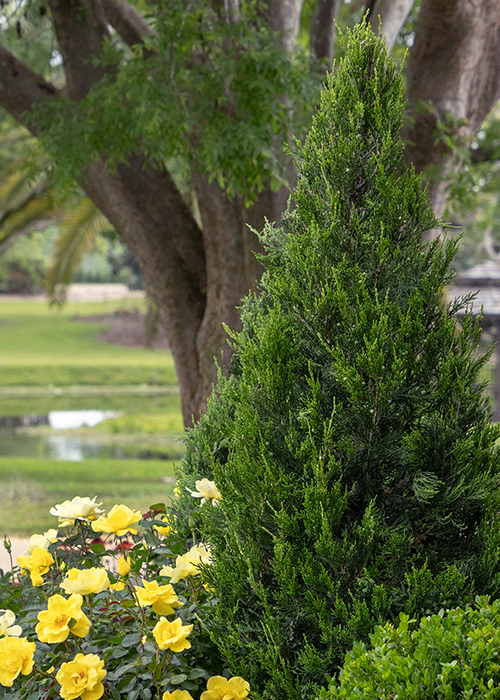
x=65, y=420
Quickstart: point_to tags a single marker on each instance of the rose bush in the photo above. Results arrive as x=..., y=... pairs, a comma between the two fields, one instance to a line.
x=114, y=606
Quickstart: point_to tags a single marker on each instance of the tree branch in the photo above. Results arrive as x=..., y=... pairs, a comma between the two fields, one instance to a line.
x=81, y=31
x=21, y=88
x=322, y=30
x=128, y=22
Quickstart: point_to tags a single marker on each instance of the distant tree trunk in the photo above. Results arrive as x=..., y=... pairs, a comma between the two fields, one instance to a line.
x=454, y=75
x=392, y=14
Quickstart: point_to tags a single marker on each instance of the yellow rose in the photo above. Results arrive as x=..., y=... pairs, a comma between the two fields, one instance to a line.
x=42, y=541
x=85, y=581
x=16, y=656
x=219, y=688
x=7, y=626
x=118, y=586
x=82, y=678
x=123, y=565
x=177, y=695
x=167, y=529
x=77, y=509
x=119, y=520
x=187, y=564
x=207, y=491
x=172, y=635
x=162, y=598
x=37, y=563
x=54, y=625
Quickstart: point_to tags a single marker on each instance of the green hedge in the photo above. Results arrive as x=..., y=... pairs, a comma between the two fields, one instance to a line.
x=451, y=655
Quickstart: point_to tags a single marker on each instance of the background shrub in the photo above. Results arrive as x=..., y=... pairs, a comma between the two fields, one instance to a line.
x=451, y=655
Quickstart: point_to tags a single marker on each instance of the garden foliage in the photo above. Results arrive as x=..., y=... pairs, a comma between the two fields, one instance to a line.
x=352, y=446
x=450, y=655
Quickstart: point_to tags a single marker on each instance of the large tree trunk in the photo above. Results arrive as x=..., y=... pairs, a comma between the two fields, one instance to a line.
x=454, y=78
x=197, y=278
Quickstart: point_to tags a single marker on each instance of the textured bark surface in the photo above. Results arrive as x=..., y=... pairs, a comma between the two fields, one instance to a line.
x=391, y=14
x=322, y=29
x=454, y=69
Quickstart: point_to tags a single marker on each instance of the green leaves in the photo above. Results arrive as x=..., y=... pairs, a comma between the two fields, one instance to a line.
x=448, y=655
x=222, y=96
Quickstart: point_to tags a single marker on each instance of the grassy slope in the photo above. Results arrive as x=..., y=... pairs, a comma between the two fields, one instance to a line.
x=39, y=345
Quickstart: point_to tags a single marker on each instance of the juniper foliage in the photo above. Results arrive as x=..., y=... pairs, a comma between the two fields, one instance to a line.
x=352, y=446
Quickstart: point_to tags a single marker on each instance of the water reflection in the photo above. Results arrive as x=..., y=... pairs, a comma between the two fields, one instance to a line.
x=66, y=420
x=19, y=437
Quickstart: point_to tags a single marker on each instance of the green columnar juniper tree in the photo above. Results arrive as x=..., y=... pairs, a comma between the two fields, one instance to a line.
x=352, y=445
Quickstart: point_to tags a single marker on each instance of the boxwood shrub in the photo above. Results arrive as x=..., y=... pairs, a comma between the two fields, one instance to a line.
x=450, y=655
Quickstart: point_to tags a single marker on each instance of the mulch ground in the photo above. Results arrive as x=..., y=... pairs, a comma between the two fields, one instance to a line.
x=126, y=328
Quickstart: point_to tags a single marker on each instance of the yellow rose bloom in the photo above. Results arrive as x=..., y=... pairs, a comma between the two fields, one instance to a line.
x=167, y=529
x=177, y=695
x=118, y=586
x=119, y=520
x=37, y=563
x=54, y=625
x=85, y=581
x=187, y=564
x=207, y=491
x=219, y=688
x=82, y=678
x=172, y=635
x=77, y=509
x=42, y=541
x=123, y=565
x=16, y=656
x=7, y=626
x=162, y=598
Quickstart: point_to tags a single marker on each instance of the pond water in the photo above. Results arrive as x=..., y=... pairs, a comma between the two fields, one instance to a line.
x=46, y=436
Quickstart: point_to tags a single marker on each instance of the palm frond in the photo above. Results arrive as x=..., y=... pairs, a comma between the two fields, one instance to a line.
x=18, y=186
x=80, y=227
x=33, y=210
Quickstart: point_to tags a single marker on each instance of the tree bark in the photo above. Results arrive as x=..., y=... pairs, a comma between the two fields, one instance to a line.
x=148, y=212
x=391, y=15
x=322, y=30
x=197, y=278
x=454, y=75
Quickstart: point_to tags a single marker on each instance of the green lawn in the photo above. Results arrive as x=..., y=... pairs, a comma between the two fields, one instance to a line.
x=67, y=368
x=30, y=487
x=41, y=346
x=166, y=404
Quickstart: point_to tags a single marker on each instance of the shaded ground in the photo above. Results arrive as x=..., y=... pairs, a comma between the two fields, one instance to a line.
x=127, y=328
